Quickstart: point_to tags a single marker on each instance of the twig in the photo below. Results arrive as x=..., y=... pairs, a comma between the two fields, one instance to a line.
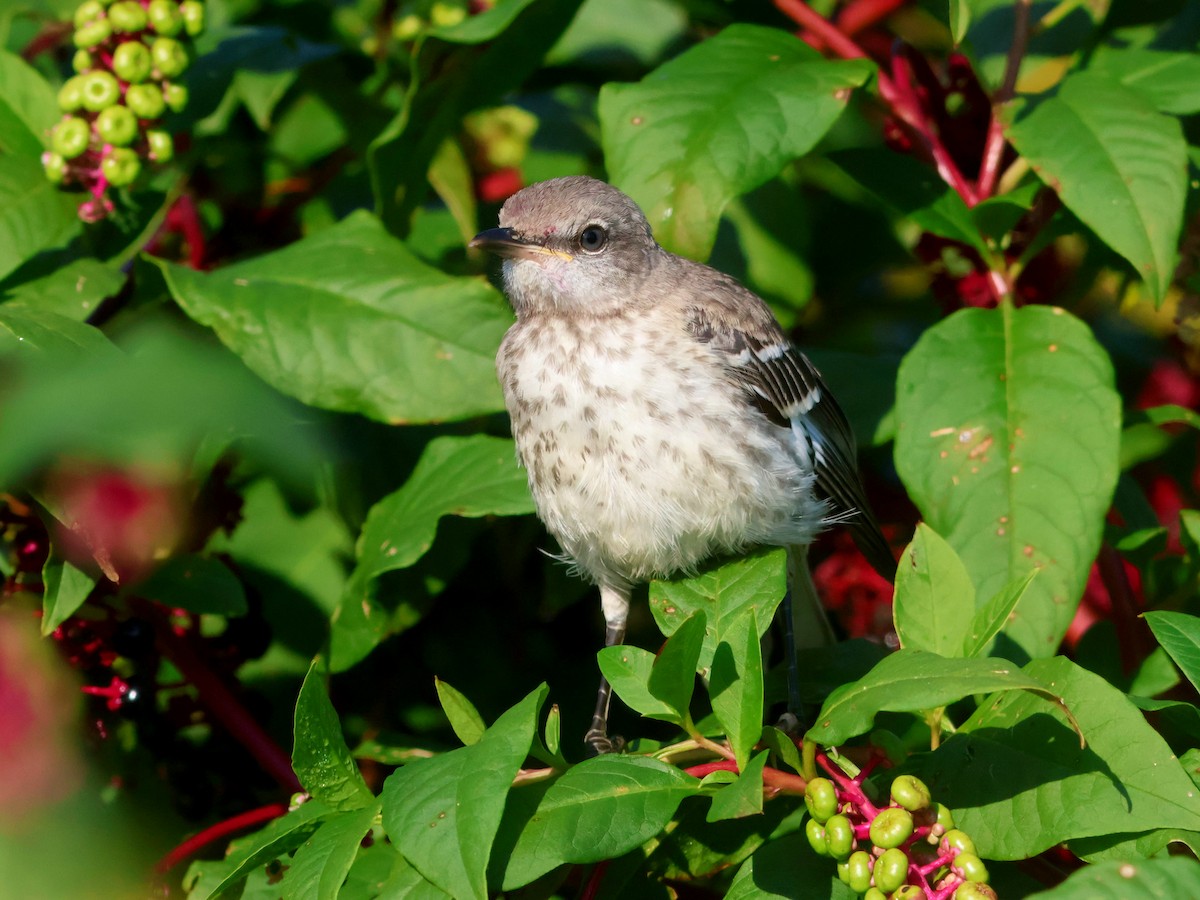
x=808, y=18
x=993, y=148
x=216, y=832
x=592, y=886
x=859, y=15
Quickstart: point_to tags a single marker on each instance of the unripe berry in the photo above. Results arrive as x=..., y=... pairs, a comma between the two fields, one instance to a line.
x=121, y=166
x=100, y=90
x=55, y=167
x=909, y=892
x=815, y=832
x=407, y=27
x=820, y=796
x=970, y=890
x=117, y=125
x=193, y=16
x=127, y=16
x=164, y=17
x=970, y=867
x=175, y=96
x=70, y=95
x=843, y=871
x=910, y=793
x=88, y=12
x=858, y=871
x=891, y=870
x=839, y=836
x=70, y=137
x=93, y=33
x=146, y=100
x=891, y=827
x=81, y=61
x=162, y=146
x=874, y=894
x=131, y=61
x=445, y=15
x=957, y=840
x=170, y=57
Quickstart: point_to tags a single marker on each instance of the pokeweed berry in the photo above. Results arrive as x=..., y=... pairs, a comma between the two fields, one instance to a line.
x=193, y=16
x=93, y=34
x=161, y=144
x=131, y=61
x=970, y=867
x=127, y=16
x=165, y=17
x=910, y=793
x=909, y=892
x=70, y=95
x=839, y=836
x=874, y=893
x=971, y=890
x=100, y=90
x=815, y=832
x=891, y=827
x=820, y=796
x=88, y=12
x=55, y=167
x=70, y=137
x=121, y=166
x=958, y=841
x=117, y=125
x=858, y=871
x=891, y=870
x=169, y=56
x=146, y=100
x=175, y=96
x=81, y=61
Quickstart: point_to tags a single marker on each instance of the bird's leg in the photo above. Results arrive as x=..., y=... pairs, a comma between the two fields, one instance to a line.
x=615, y=603
x=805, y=625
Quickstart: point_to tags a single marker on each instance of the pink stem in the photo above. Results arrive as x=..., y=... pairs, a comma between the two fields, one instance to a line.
x=216, y=832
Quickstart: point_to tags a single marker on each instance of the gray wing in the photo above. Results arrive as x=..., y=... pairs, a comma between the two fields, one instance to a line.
x=781, y=382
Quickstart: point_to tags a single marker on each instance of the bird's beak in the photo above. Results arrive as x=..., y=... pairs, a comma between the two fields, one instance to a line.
x=504, y=242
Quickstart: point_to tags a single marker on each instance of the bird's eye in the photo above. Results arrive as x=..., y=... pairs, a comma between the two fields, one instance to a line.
x=593, y=239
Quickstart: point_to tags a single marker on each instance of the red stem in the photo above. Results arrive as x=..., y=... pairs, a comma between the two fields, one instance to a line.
x=858, y=15
x=829, y=35
x=993, y=148
x=592, y=887
x=216, y=832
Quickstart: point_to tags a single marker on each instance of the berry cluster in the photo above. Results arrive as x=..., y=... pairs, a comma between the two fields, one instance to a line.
x=130, y=56
x=908, y=850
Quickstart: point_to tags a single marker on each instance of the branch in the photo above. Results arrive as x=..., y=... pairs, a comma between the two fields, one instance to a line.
x=811, y=20
x=216, y=832
x=993, y=148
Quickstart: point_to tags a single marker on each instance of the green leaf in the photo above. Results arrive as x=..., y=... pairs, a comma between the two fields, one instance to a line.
x=782, y=746
x=73, y=290
x=960, y=20
x=27, y=330
x=935, y=600
x=989, y=620
x=66, y=589
x=787, y=869
x=406, y=883
x=318, y=868
x=1179, y=635
x=600, y=809
x=484, y=26
x=1169, y=81
x=350, y=320
x=628, y=670
x=470, y=476
x=197, y=584
x=1008, y=436
x=673, y=675
x=1128, y=847
x=464, y=718
x=442, y=813
x=1019, y=782
x=450, y=175
x=716, y=122
x=911, y=681
x=28, y=108
x=742, y=798
x=1143, y=880
x=1117, y=163
x=34, y=214
x=754, y=583
x=735, y=686
x=320, y=757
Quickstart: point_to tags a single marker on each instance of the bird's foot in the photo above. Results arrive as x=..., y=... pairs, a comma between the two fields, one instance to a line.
x=600, y=742
x=789, y=723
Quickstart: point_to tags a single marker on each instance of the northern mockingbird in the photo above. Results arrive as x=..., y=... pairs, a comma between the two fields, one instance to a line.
x=660, y=411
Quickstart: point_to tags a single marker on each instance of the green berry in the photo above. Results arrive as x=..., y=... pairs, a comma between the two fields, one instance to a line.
x=820, y=796
x=874, y=894
x=891, y=870
x=162, y=146
x=70, y=137
x=910, y=793
x=117, y=125
x=70, y=95
x=407, y=27
x=165, y=17
x=843, y=871
x=839, y=836
x=92, y=34
x=957, y=840
x=445, y=15
x=193, y=16
x=175, y=96
x=100, y=90
x=858, y=871
x=891, y=827
x=55, y=167
x=131, y=61
x=945, y=818
x=88, y=12
x=81, y=61
x=970, y=890
x=146, y=100
x=170, y=57
x=121, y=166
x=970, y=866
x=127, y=16
x=909, y=892
x=815, y=832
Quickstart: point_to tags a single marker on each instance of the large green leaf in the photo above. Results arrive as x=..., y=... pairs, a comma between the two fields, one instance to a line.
x=787, y=869
x=318, y=868
x=34, y=214
x=1019, y=782
x=472, y=476
x=1117, y=163
x=73, y=290
x=1170, y=81
x=320, y=757
x=351, y=320
x=28, y=108
x=600, y=809
x=1179, y=635
x=443, y=813
x=1007, y=439
x=718, y=121
x=1141, y=880
x=735, y=686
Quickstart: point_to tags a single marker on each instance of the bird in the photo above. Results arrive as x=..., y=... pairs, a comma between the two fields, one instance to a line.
x=660, y=411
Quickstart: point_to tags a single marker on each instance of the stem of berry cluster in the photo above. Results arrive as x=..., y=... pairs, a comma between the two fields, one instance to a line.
x=216, y=832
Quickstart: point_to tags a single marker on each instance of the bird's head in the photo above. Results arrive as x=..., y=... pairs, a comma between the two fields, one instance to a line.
x=571, y=245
